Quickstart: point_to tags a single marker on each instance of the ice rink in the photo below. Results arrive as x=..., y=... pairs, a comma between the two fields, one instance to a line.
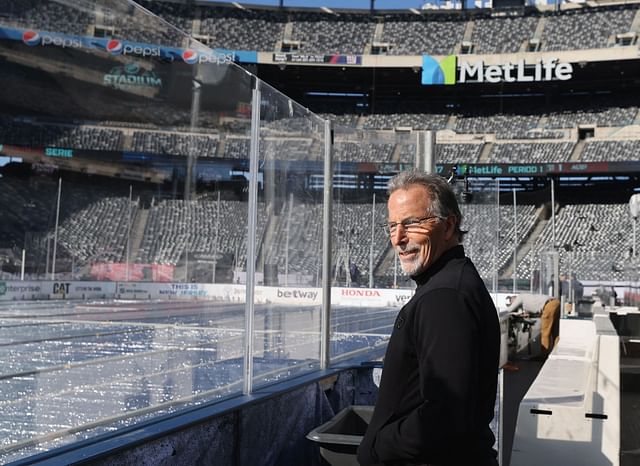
x=75, y=369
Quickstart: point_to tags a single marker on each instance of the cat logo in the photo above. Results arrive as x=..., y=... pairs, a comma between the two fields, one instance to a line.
x=61, y=289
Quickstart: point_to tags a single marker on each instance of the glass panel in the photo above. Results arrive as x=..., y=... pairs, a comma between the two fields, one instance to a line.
x=366, y=294
x=123, y=190
x=289, y=229
x=489, y=225
x=369, y=285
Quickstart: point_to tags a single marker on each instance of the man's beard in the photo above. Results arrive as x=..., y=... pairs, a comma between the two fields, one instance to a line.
x=414, y=266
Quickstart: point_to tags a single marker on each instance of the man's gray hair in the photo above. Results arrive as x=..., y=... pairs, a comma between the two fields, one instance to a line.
x=443, y=199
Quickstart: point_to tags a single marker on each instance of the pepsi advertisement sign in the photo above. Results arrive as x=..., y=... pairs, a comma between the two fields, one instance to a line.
x=34, y=38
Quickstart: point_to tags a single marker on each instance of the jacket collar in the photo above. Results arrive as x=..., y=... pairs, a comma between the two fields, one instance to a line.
x=456, y=252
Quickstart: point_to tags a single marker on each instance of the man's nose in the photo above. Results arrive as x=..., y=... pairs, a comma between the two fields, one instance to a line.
x=399, y=236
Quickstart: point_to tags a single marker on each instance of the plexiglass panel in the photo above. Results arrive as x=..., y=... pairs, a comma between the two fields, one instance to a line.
x=124, y=167
x=288, y=256
x=369, y=284
x=364, y=302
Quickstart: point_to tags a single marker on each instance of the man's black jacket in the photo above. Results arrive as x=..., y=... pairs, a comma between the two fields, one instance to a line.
x=438, y=386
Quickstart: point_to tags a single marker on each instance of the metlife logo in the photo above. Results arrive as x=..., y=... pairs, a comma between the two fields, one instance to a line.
x=450, y=71
x=434, y=72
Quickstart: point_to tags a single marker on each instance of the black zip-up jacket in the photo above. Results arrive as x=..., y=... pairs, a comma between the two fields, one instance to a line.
x=438, y=387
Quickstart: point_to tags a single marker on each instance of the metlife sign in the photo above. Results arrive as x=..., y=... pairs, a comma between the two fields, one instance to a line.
x=449, y=71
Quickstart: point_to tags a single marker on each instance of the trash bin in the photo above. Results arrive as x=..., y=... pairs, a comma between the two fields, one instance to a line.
x=339, y=437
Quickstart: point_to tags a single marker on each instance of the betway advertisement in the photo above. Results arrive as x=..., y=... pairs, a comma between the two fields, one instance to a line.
x=451, y=70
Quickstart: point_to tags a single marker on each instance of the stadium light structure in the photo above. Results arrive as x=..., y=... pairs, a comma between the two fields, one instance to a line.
x=216, y=241
x=286, y=247
x=553, y=214
x=425, y=151
x=496, y=242
x=127, y=275
x=55, y=233
x=515, y=241
x=373, y=223
x=634, y=207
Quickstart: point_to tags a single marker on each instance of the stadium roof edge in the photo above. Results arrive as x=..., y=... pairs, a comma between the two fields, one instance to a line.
x=589, y=4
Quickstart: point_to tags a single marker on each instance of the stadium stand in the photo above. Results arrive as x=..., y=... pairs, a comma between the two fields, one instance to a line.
x=432, y=121
x=175, y=228
x=430, y=32
x=140, y=27
x=245, y=29
x=24, y=132
x=446, y=153
x=174, y=143
x=502, y=34
x=98, y=230
x=45, y=15
x=536, y=152
x=331, y=34
x=606, y=114
x=355, y=152
x=433, y=34
x=506, y=126
x=273, y=30
x=303, y=239
x=599, y=237
x=352, y=236
x=177, y=14
x=609, y=151
x=565, y=30
x=24, y=209
x=482, y=222
x=351, y=239
x=236, y=148
x=344, y=120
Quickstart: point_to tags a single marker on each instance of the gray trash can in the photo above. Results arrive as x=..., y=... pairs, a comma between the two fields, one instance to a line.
x=339, y=438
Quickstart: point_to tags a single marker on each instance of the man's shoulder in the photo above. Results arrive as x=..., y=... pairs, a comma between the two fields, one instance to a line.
x=459, y=275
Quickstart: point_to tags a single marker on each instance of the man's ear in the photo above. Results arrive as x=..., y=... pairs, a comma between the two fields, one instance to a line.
x=450, y=227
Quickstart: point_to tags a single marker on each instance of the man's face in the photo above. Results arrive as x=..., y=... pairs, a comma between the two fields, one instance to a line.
x=421, y=245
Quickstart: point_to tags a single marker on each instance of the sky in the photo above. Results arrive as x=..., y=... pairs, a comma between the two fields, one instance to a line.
x=359, y=4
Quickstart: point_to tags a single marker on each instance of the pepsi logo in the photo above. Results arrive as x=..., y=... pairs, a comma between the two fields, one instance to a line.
x=31, y=38
x=114, y=47
x=190, y=56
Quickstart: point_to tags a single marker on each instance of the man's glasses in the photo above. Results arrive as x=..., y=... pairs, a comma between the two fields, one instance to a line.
x=408, y=225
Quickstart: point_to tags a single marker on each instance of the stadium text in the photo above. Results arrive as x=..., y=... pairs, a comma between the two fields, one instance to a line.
x=543, y=70
x=360, y=293
x=130, y=49
x=130, y=76
x=217, y=58
x=122, y=80
x=57, y=152
x=60, y=41
x=297, y=294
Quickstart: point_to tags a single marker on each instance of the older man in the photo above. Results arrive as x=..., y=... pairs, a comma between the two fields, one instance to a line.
x=438, y=387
